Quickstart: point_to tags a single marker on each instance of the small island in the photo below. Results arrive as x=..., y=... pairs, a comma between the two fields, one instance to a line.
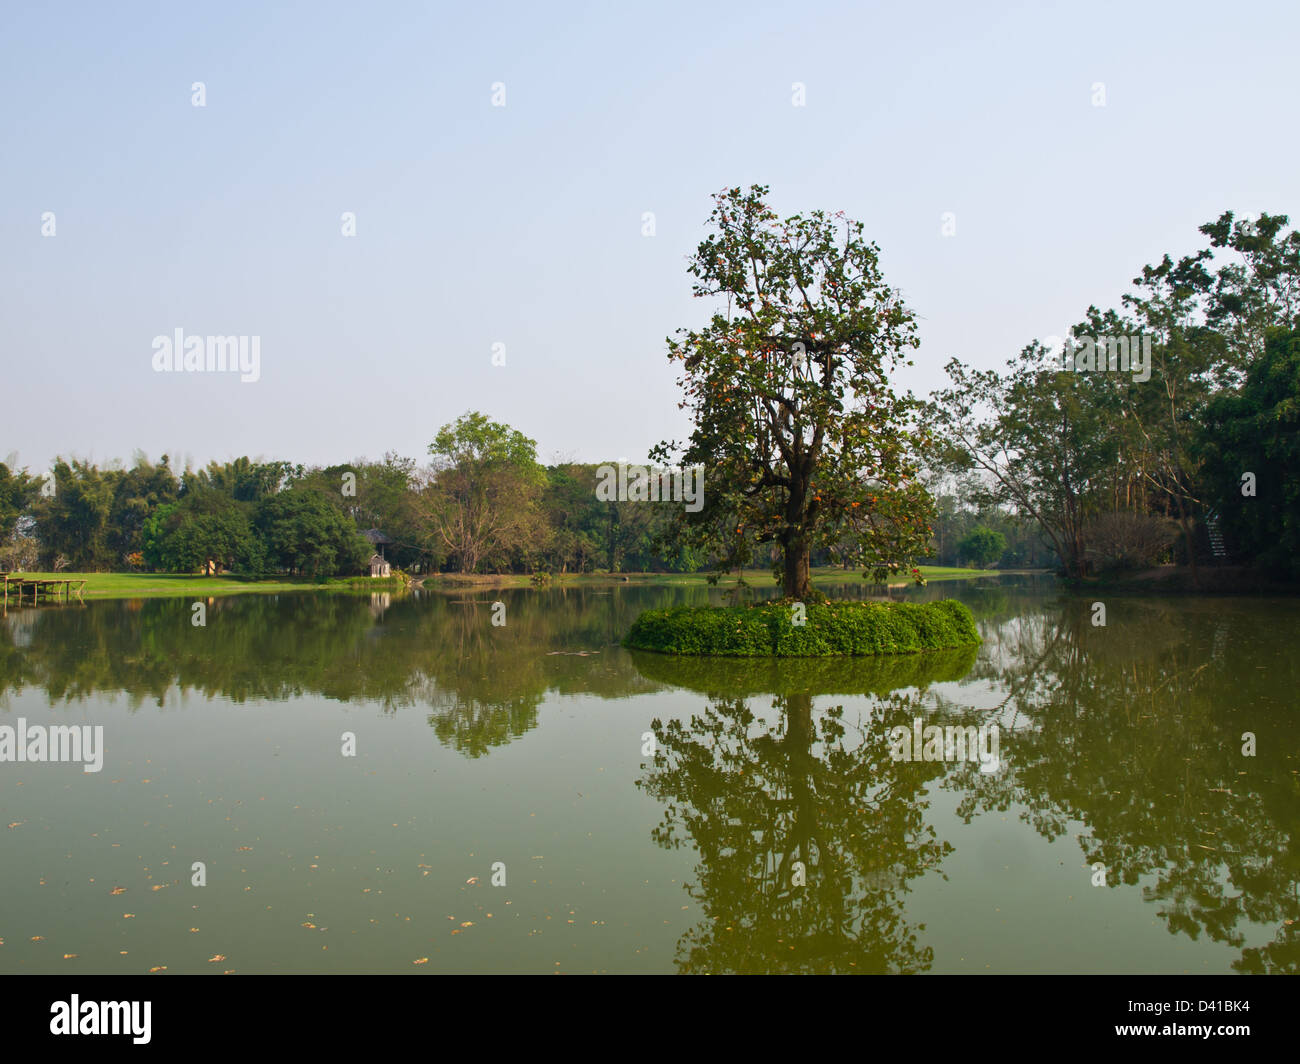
x=800, y=441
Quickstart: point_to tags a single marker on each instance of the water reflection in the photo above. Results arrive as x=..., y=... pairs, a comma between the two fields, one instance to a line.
x=1129, y=736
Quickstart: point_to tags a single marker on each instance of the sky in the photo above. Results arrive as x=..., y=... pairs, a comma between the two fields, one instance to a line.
x=127, y=212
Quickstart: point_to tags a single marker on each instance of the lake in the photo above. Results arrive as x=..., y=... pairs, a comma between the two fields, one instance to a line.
x=354, y=772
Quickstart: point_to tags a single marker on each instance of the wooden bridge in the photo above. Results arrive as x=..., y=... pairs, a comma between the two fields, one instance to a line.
x=52, y=587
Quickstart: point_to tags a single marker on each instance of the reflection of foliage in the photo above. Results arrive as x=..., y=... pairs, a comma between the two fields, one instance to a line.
x=738, y=677
x=753, y=801
x=484, y=684
x=1135, y=730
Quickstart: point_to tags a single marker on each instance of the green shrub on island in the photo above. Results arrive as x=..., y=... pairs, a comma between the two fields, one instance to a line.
x=772, y=629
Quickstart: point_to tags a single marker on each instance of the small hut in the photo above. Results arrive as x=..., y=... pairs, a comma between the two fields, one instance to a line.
x=379, y=566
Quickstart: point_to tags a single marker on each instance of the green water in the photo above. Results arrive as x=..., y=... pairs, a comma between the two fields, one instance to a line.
x=648, y=812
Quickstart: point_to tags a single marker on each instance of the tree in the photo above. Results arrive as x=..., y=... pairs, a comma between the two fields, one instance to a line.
x=205, y=531
x=803, y=441
x=18, y=489
x=73, y=523
x=139, y=493
x=483, y=499
x=304, y=533
x=1039, y=436
x=1257, y=432
x=982, y=546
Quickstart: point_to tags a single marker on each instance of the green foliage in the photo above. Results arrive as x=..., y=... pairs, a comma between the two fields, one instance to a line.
x=982, y=546
x=1065, y=449
x=73, y=524
x=18, y=490
x=483, y=502
x=206, y=531
x=1258, y=431
x=304, y=533
x=803, y=442
x=834, y=628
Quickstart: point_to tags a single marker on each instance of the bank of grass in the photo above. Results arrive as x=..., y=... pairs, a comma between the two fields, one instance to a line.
x=771, y=629
x=166, y=585
x=163, y=585
x=754, y=577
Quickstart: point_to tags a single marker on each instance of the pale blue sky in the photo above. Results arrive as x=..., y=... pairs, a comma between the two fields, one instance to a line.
x=522, y=224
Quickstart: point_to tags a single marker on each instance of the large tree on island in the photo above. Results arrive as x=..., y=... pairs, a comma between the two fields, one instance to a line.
x=803, y=441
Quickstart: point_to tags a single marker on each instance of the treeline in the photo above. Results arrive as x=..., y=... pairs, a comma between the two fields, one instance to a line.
x=1162, y=430
x=482, y=504
x=259, y=517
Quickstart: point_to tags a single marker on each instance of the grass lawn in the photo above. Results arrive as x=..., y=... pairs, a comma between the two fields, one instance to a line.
x=755, y=577
x=162, y=585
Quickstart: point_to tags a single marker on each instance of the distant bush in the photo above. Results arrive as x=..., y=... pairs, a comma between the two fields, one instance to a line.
x=981, y=547
x=830, y=629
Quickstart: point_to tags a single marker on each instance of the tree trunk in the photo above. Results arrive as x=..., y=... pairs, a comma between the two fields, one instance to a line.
x=798, y=575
